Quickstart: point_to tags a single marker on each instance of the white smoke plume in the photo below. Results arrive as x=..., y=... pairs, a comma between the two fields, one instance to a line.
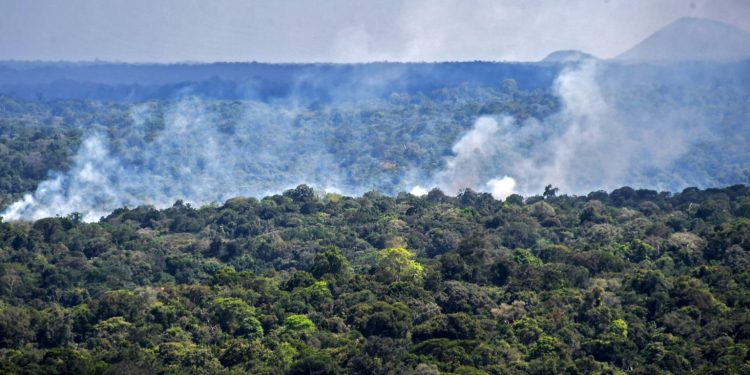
x=475, y=154
x=194, y=153
x=589, y=145
x=501, y=188
x=189, y=159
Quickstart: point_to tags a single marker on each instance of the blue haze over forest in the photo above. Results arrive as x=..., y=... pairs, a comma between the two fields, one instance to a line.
x=374, y=187
x=207, y=132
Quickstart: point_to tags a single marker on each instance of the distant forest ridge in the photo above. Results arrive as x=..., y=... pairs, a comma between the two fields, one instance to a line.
x=315, y=82
x=255, y=80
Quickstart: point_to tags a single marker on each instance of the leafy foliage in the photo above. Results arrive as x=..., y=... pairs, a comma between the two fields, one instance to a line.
x=631, y=281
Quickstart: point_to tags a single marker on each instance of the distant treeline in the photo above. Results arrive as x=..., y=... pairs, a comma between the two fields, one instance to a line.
x=314, y=82
x=110, y=81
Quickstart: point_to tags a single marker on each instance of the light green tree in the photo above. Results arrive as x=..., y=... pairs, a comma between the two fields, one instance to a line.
x=398, y=264
x=299, y=323
x=619, y=327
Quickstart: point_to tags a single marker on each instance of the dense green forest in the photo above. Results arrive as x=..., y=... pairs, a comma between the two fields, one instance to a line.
x=377, y=188
x=387, y=144
x=627, y=281
x=373, y=140
x=632, y=281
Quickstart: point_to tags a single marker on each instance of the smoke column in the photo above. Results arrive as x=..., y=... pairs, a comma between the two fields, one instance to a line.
x=589, y=145
x=190, y=158
x=600, y=139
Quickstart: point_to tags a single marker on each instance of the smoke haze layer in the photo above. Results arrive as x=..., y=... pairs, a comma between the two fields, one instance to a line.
x=598, y=141
x=191, y=158
x=608, y=133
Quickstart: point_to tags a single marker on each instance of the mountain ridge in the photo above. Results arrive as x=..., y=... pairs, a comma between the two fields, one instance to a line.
x=568, y=55
x=691, y=39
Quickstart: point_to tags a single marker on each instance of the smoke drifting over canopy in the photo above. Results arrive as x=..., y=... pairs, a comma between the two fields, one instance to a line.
x=589, y=145
x=190, y=158
x=594, y=142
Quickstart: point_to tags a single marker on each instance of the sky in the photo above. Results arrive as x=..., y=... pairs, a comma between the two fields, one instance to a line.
x=337, y=30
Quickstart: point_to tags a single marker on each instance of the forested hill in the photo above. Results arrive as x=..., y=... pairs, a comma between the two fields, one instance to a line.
x=307, y=82
x=631, y=281
x=360, y=136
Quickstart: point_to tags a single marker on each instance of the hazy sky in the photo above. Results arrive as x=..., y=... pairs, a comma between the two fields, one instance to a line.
x=337, y=30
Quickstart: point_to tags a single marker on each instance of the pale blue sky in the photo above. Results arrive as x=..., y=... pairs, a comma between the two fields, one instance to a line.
x=337, y=30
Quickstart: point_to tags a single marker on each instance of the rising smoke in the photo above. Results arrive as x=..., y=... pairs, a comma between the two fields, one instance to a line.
x=589, y=145
x=191, y=158
x=595, y=142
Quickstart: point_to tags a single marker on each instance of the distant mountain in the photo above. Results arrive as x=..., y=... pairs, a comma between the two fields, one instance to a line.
x=568, y=56
x=691, y=39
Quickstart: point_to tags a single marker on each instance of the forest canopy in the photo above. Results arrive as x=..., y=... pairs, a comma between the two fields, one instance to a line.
x=290, y=226
x=631, y=281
